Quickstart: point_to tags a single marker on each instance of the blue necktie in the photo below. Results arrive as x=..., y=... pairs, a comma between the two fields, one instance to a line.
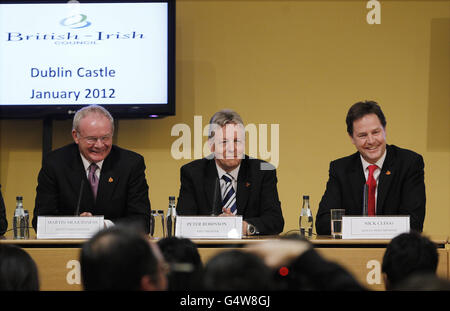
x=229, y=198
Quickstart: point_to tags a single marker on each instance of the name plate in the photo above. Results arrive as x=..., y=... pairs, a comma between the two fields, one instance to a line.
x=378, y=227
x=209, y=227
x=68, y=227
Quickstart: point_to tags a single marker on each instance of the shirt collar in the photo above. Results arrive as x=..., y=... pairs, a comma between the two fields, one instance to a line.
x=234, y=173
x=86, y=163
x=379, y=163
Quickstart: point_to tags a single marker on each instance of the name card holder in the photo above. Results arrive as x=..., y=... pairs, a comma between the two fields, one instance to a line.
x=68, y=227
x=209, y=227
x=375, y=227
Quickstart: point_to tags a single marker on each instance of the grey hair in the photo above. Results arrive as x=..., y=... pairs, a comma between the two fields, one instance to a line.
x=221, y=118
x=92, y=109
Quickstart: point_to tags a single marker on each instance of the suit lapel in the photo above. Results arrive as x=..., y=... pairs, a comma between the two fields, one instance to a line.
x=243, y=187
x=212, y=188
x=384, y=181
x=77, y=175
x=357, y=181
x=106, y=184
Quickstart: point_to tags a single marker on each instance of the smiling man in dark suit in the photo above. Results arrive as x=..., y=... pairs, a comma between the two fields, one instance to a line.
x=92, y=176
x=395, y=175
x=229, y=183
x=3, y=220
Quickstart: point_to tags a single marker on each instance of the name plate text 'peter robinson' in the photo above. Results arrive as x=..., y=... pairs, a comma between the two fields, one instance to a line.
x=209, y=227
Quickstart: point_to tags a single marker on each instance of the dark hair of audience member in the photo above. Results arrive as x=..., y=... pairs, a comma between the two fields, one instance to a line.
x=423, y=282
x=186, y=267
x=18, y=271
x=407, y=254
x=117, y=258
x=236, y=270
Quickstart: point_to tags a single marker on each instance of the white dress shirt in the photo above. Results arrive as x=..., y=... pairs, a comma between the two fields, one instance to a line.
x=376, y=173
x=86, y=164
x=234, y=173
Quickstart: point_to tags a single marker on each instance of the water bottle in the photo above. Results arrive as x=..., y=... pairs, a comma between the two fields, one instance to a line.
x=306, y=218
x=152, y=222
x=20, y=221
x=171, y=217
x=161, y=214
x=157, y=224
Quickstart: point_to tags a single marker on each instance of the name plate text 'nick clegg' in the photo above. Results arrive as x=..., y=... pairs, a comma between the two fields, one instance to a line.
x=377, y=227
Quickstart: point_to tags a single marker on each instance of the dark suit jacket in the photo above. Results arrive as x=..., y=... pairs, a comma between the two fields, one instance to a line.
x=3, y=220
x=122, y=193
x=256, y=198
x=401, y=188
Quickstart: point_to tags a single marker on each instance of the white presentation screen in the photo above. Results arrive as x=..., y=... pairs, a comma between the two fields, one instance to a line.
x=71, y=54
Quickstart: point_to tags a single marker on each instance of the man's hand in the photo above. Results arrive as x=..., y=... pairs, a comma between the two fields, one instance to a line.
x=227, y=212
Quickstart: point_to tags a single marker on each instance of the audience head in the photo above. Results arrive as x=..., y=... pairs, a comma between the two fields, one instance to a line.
x=423, y=282
x=120, y=258
x=18, y=271
x=408, y=254
x=184, y=261
x=236, y=270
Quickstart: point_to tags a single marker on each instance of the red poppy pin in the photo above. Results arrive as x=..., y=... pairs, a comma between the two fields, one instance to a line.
x=388, y=172
x=110, y=180
x=247, y=184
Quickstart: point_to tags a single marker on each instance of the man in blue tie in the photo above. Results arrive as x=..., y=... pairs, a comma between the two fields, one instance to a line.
x=394, y=176
x=228, y=182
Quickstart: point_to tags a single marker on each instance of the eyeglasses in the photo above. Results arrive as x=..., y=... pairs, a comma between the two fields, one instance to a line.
x=91, y=140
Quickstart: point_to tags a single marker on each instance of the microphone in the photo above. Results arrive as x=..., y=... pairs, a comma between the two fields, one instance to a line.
x=214, y=207
x=77, y=212
x=366, y=200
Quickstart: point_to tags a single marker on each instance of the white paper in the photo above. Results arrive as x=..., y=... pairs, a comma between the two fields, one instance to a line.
x=211, y=227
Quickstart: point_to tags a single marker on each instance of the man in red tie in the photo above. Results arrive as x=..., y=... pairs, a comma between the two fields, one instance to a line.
x=394, y=176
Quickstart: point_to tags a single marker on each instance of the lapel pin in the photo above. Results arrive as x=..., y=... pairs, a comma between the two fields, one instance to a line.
x=247, y=184
x=110, y=180
x=388, y=172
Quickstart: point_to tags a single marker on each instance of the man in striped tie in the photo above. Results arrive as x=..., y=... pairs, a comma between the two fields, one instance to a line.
x=394, y=177
x=228, y=182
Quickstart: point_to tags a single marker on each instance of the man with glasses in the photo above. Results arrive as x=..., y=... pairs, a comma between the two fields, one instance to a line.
x=92, y=176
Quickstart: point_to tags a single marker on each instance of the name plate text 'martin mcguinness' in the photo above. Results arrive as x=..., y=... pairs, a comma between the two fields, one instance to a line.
x=68, y=227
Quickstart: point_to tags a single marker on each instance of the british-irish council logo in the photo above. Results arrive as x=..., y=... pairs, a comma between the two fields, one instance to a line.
x=76, y=21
